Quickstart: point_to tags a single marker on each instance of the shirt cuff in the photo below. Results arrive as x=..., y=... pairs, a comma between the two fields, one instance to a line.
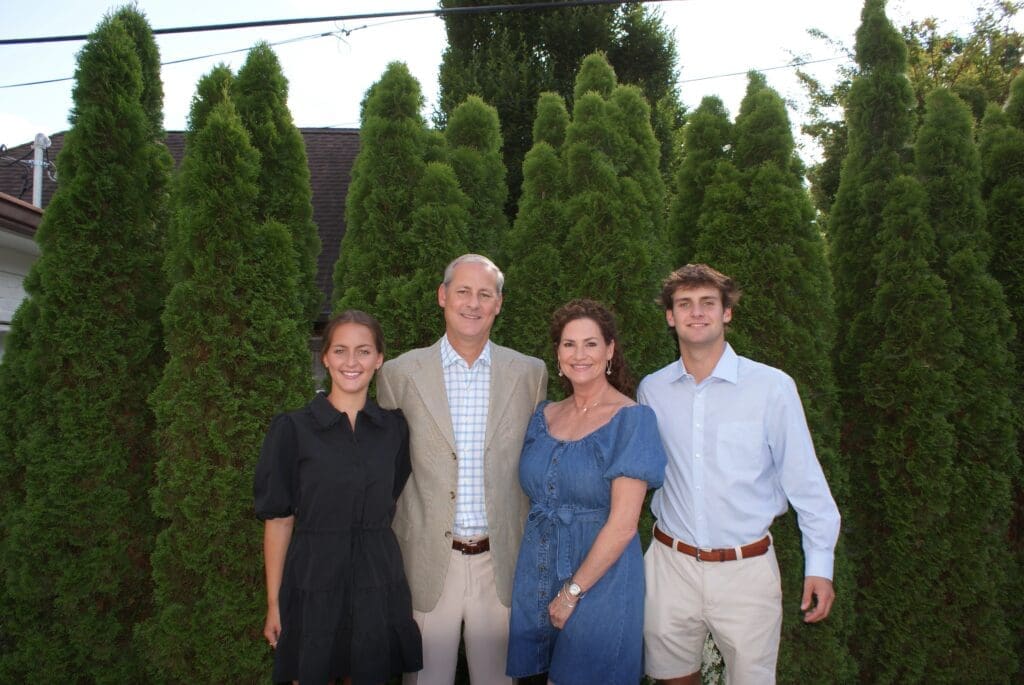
x=819, y=564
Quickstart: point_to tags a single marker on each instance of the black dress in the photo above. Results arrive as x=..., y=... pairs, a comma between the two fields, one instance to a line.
x=345, y=604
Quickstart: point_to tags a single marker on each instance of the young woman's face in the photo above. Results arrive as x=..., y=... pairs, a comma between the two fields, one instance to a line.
x=352, y=358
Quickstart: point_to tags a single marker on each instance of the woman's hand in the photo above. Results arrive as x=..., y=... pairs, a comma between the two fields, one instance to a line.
x=272, y=626
x=560, y=609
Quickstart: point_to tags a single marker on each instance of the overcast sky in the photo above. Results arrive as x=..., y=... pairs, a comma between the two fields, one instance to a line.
x=718, y=41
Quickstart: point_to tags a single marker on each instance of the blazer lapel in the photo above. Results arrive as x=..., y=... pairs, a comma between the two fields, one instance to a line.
x=503, y=382
x=429, y=381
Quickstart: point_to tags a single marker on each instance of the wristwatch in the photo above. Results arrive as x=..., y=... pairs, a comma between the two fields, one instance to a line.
x=573, y=590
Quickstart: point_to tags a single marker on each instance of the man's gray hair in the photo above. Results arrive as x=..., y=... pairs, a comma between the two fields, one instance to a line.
x=449, y=271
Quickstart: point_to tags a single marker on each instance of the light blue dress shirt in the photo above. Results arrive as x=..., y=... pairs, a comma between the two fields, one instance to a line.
x=469, y=394
x=738, y=448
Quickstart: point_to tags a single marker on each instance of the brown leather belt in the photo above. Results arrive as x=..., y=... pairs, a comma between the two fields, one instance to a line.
x=754, y=549
x=477, y=547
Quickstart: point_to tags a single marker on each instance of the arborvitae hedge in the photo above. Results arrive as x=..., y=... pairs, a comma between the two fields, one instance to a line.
x=905, y=473
x=260, y=93
x=509, y=59
x=534, y=245
x=380, y=201
x=474, y=153
x=76, y=552
x=437, y=232
x=983, y=420
x=1002, y=150
x=237, y=356
x=615, y=247
x=879, y=117
x=706, y=138
x=758, y=227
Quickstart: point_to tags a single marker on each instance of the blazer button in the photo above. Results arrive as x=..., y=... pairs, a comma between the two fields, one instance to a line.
x=448, y=534
x=454, y=456
x=452, y=493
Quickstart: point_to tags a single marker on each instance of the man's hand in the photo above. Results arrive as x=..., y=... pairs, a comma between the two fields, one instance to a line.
x=820, y=589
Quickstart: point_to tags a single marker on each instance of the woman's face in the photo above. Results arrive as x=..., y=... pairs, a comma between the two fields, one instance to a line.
x=583, y=355
x=352, y=358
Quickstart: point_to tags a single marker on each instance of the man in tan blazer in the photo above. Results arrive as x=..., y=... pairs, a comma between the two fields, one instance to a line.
x=460, y=518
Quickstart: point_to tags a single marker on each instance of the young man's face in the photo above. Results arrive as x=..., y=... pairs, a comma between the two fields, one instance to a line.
x=698, y=316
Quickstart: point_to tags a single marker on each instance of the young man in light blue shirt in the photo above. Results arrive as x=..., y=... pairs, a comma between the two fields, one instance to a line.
x=739, y=449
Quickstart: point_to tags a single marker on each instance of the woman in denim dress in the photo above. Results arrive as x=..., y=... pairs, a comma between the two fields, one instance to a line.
x=587, y=462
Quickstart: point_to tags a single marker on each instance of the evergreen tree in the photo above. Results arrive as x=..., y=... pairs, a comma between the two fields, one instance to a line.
x=381, y=196
x=706, y=139
x=879, y=120
x=474, y=153
x=949, y=168
x=614, y=246
x=905, y=471
x=533, y=246
x=260, y=93
x=758, y=226
x=510, y=58
x=237, y=356
x=77, y=544
x=1002, y=149
x=407, y=305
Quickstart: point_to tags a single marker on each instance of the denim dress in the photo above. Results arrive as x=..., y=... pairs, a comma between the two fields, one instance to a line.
x=569, y=485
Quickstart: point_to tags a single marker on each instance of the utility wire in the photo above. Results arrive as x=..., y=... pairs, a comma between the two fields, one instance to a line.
x=791, y=65
x=437, y=12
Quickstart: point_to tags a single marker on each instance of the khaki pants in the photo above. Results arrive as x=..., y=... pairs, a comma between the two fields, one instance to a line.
x=739, y=602
x=468, y=597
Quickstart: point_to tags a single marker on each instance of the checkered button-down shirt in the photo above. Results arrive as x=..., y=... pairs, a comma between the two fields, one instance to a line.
x=469, y=394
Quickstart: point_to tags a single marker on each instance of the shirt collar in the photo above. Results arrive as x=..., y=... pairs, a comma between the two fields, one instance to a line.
x=326, y=415
x=449, y=356
x=727, y=368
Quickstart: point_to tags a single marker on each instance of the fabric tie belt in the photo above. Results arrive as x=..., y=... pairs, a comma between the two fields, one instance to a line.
x=560, y=517
x=754, y=549
x=478, y=547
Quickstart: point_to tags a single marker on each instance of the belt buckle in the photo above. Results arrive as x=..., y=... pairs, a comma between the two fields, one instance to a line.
x=697, y=554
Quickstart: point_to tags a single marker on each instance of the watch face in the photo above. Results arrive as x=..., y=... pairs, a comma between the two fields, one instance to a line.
x=575, y=590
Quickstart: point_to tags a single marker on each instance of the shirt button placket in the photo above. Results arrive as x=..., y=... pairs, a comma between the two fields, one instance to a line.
x=699, y=456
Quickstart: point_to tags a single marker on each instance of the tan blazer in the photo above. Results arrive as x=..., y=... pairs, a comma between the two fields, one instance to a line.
x=423, y=522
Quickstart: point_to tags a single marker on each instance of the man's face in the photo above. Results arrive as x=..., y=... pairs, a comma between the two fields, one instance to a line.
x=698, y=316
x=470, y=302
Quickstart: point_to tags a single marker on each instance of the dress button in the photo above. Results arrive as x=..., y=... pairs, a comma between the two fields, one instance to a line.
x=454, y=456
x=448, y=534
x=452, y=493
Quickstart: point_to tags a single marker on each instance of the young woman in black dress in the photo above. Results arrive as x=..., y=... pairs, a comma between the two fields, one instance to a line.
x=338, y=603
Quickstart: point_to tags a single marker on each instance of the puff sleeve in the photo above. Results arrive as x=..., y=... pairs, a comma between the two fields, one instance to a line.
x=276, y=482
x=636, y=450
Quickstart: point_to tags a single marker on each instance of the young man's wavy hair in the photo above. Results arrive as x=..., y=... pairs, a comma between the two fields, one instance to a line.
x=698, y=276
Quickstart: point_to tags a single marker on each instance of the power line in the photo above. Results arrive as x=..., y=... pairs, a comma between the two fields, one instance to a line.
x=437, y=12
x=792, y=65
x=326, y=34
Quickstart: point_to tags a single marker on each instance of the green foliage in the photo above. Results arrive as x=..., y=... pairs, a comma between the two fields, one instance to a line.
x=615, y=245
x=77, y=532
x=903, y=477
x=260, y=93
x=978, y=66
x=407, y=303
x=706, y=138
x=1002, y=149
x=237, y=356
x=380, y=199
x=509, y=59
x=474, y=153
x=534, y=245
x=879, y=119
x=984, y=418
x=757, y=225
